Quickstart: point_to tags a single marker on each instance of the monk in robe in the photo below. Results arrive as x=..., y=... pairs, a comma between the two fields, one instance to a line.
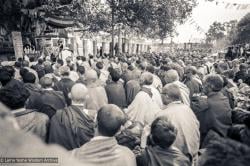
x=160, y=150
x=73, y=126
x=103, y=149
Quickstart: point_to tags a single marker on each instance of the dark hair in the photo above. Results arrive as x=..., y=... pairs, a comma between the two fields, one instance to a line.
x=83, y=58
x=32, y=59
x=60, y=61
x=150, y=69
x=163, y=132
x=109, y=120
x=40, y=61
x=215, y=81
x=5, y=77
x=225, y=152
x=115, y=75
x=99, y=65
x=23, y=71
x=15, y=96
x=81, y=70
x=10, y=70
x=18, y=64
x=29, y=78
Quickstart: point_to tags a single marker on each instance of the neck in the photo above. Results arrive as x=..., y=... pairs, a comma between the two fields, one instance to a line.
x=78, y=103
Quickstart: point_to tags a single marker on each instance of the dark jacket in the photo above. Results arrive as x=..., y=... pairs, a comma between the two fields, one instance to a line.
x=47, y=102
x=213, y=113
x=64, y=85
x=116, y=94
x=71, y=127
x=32, y=121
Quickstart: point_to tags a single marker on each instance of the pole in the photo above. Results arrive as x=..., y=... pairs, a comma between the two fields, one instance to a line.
x=113, y=27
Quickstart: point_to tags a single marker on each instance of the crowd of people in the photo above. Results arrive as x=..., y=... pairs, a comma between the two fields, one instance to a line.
x=145, y=110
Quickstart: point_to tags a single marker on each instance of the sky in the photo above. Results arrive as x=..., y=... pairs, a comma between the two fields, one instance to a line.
x=204, y=14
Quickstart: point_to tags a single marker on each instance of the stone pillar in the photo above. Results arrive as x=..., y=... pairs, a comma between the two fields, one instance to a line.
x=94, y=47
x=85, y=47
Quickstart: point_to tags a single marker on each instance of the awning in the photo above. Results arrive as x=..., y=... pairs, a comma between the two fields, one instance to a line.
x=59, y=22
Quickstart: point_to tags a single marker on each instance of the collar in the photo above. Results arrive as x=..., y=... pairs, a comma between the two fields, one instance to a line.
x=21, y=111
x=213, y=93
x=101, y=138
x=49, y=89
x=174, y=103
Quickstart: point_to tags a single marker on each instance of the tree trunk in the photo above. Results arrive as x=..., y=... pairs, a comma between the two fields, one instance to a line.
x=113, y=27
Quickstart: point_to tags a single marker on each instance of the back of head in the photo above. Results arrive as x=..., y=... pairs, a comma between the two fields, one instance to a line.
x=146, y=78
x=64, y=70
x=29, y=78
x=163, y=132
x=81, y=70
x=14, y=96
x=225, y=152
x=10, y=70
x=214, y=81
x=115, y=75
x=46, y=82
x=5, y=77
x=99, y=65
x=79, y=93
x=171, y=76
x=91, y=75
x=172, y=92
x=110, y=118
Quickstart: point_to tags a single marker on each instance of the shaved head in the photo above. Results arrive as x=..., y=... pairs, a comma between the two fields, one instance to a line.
x=110, y=118
x=79, y=93
x=171, y=76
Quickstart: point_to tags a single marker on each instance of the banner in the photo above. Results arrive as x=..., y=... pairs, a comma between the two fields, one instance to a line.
x=17, y=44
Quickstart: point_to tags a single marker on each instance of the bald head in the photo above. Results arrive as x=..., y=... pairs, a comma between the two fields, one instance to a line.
x=110, y=118
x=171, y=92
x=146, y=78
x=171, y=76
x=79, y=93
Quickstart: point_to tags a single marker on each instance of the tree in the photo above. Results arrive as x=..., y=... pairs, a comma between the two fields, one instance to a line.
x=216, y=32
x=242, y=34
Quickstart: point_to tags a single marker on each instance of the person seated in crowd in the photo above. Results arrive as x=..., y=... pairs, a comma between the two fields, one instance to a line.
x=143, y=108
x=81, y=71
x=9, y=80
x=104, y=74
x=192, y=81
x=39, y=68
x=18, y=143
x=156, y=96
x=241, y=132
x=171, y=76
x=65, y=84
x=130, y=135
x=242, y=74
x=115, y=90
x=97, y=92
x=29, y=80
x=132, y=88
x=48, y=100
x=225, y=152
x=161, y=150
x=25, y=65
x=73, y=126
x=29, y=120
x=156, y=81
x=183, y=118
x=217, y=116
x=103, y=149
